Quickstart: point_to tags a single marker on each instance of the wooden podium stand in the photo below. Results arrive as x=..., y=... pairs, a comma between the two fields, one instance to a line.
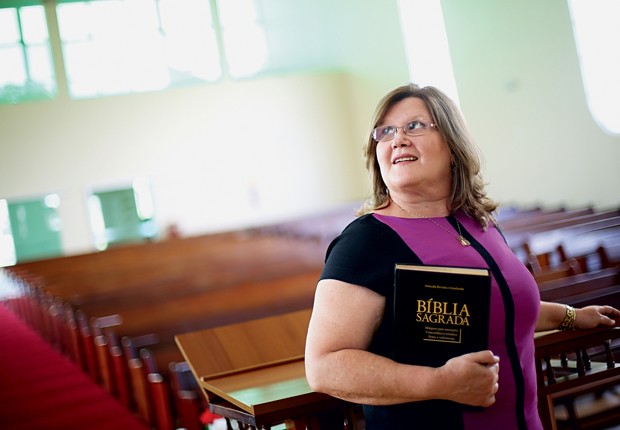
x=253, y=372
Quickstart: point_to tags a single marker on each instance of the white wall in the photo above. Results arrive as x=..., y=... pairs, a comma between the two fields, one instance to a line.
x=224, y=155
x=520, y=88
x=218, y=156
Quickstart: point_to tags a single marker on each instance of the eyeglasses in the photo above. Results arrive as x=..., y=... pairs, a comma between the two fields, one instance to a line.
x=412, y=128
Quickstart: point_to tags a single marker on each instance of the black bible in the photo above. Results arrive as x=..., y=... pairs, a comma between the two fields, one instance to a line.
x=440, y=312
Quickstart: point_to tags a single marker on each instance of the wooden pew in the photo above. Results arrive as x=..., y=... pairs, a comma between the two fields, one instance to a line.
x=508, y=212
x=598, y=287
x=532, y=218
x=160, y=322
x=130, y=255
x=241, y=278
x=582, y=240
x=557, y=221
x=264, y=261
x=547, y=237
x=564, y=382
x=224, y=305
x=235, y=260
x=321, y=227
x=591, y=251
x=161, y=289
x=245, y=262
x=561, y=270
x=609, y=255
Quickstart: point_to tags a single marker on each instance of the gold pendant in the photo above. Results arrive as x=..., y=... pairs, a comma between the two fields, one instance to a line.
x=463, y=241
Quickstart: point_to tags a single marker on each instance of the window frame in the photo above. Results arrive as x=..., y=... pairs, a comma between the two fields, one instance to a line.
x=599, y=69
x=31, y=89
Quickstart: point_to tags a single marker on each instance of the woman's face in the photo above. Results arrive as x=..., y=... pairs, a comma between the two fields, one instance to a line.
x=414, y=164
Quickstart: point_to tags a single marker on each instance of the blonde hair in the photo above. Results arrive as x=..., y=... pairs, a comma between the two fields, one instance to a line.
x=467, y=187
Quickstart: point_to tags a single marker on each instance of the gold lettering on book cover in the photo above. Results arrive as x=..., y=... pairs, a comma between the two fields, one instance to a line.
x=446, y=313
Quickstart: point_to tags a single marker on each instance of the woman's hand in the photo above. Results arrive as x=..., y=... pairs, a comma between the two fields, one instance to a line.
x=552, y=316
x=593, y=316
x=470, y=379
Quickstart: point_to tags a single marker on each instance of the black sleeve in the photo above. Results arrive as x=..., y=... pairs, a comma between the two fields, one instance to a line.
x=365, y=254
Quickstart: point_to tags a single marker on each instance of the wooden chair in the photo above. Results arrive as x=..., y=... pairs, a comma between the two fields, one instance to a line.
x=45, y=323
x=56, y=322
x=104, y=359
x=102, y=336
x=159, y=392
x=120, y=370
x=29, y=310
x=75, y=349
x=88, y=345
x=150, y=390
x=137, y=375
x=589, y=368
x=189, y=401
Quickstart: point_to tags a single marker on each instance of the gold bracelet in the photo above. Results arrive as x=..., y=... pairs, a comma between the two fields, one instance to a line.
x=568, y=323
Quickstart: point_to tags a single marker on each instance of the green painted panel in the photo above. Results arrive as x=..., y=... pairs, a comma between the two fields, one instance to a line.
x=35, y=227
x=121, y=217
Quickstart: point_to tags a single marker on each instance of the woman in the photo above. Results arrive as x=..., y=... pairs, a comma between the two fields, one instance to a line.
x=428, y=206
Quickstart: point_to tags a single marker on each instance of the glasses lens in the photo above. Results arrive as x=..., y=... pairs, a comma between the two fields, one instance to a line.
x=415, y=128
x=386, y=132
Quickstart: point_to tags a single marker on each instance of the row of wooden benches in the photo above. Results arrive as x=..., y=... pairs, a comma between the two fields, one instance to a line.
x=167, y=400
x=575, y=258
x=561, y=243
x=118, y=311
x=113, y=316
x=164, y=398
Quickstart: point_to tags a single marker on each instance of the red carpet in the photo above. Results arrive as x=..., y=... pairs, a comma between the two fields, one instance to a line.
x=42, y=389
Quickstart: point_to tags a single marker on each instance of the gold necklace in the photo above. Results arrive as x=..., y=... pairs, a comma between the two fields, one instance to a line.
x=459, y=237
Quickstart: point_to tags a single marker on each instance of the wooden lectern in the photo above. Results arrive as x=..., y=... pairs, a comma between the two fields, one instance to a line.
x=253, y=372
